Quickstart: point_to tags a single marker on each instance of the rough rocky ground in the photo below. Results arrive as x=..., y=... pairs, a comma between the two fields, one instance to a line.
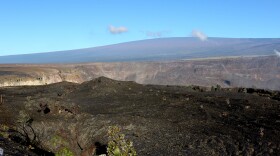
x=160, y=120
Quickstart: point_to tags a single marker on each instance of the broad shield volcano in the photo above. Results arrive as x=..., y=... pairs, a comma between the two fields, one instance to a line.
x=155, y=50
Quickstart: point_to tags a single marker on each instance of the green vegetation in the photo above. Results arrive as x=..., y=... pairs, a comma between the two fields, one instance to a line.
x=23, y=117
x=57, y=141
x=117, y=145
x=219, y=87
x=64, y=152
x=4, y=131
x=216, y=88
x=213, y=88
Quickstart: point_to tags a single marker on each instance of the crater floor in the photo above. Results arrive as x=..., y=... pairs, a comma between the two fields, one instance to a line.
x=159, y=120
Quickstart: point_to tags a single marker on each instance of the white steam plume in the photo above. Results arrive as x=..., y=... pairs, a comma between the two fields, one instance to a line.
x=277, y=52
x=200, y=35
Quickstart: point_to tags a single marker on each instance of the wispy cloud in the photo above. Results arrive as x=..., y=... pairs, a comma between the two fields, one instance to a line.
x=277, y=52
x=117, y=30
x=200, y=35
x=155, y=34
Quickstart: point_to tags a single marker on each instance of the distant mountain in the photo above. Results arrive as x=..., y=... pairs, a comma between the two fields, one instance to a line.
x=155, y=50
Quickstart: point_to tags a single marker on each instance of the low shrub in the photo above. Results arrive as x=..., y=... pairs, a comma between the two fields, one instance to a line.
x=117, y=145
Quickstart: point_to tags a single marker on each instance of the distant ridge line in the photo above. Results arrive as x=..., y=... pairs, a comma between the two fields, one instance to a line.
x=161, y=49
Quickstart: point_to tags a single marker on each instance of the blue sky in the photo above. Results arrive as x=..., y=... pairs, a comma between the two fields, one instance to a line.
x=29, y=26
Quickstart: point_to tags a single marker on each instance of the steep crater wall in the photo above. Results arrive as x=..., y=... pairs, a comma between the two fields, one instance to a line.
x=252, y=72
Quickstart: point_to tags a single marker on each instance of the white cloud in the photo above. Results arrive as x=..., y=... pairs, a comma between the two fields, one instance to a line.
x=117, y=30
x=200, y=35
x=155, y=34
x=277, y=52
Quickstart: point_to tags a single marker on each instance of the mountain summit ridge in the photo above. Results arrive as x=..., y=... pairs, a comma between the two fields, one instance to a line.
x=160, y=49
